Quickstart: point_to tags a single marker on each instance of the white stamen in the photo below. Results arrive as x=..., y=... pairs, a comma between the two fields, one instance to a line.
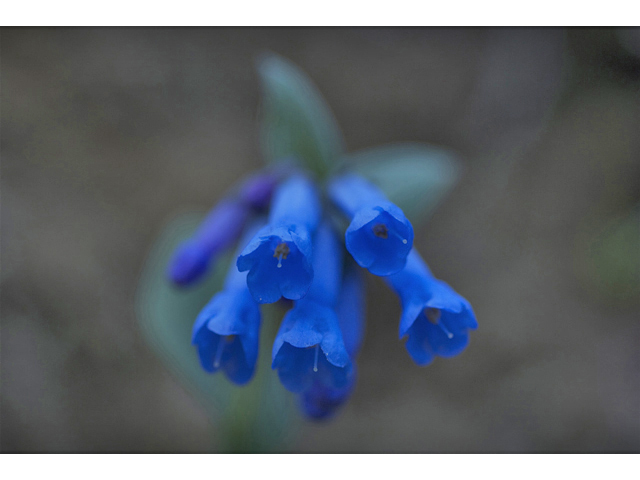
x=434, y=316
x=315, y=361
x=219, y=350
x=444, y=329
x=279, y=261
x=397, y=235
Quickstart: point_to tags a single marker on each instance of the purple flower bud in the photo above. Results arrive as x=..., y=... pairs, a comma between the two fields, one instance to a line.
x=218, y=231
x=257, y=190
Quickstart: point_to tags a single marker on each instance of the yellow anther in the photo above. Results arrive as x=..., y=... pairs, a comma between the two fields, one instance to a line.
x=281, y=252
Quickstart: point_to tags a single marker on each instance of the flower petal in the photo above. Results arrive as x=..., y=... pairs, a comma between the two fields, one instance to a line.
x=309, y=337
x=435, y=317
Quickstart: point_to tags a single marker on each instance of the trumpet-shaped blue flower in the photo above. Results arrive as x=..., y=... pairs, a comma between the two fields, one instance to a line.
x=309, y=346
x=221, y=227
x=434, y=316
x=321, y=401
x=278, y=258
x=379, y=236
x=226, y=331
x=296, y=256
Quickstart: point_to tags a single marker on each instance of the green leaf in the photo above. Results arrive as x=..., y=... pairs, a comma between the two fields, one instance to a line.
x=413, y=176
x=296, y=121
x=256, y=417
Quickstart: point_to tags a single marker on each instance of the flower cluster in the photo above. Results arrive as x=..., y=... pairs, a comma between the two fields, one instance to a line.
x=289, y=245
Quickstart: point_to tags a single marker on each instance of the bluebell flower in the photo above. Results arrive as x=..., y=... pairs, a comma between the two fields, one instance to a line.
x=226, y=331
x=278, y=258
x=309, y=346
x=379, y=236
x=221, y=228
x=321, y=401
x=435, y=317
x=297, y=256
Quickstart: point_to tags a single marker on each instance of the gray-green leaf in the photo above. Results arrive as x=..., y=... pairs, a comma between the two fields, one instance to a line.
x=413, y=176
x=296, y=121
x=256, y=417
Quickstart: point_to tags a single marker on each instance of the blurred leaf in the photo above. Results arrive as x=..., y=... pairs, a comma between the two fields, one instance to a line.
x=256, y=417
x=613, y=259
x=296, y=121
x=414, y=176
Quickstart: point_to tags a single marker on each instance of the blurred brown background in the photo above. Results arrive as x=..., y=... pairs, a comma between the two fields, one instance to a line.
x=107, y=133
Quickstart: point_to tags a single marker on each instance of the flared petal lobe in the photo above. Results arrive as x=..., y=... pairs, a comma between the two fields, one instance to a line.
x=379, y=236
x=434, y=316
x=309, y=347
x=278, y=258
x=321, y=401
x=279, y=263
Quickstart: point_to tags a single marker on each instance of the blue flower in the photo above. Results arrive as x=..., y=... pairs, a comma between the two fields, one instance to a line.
x=279, y=256
x=434, y=316
x=321, y=401
x=379, y=236
x=226, y=333
x=309, y=346
x=227, y=329
x=296, y=254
